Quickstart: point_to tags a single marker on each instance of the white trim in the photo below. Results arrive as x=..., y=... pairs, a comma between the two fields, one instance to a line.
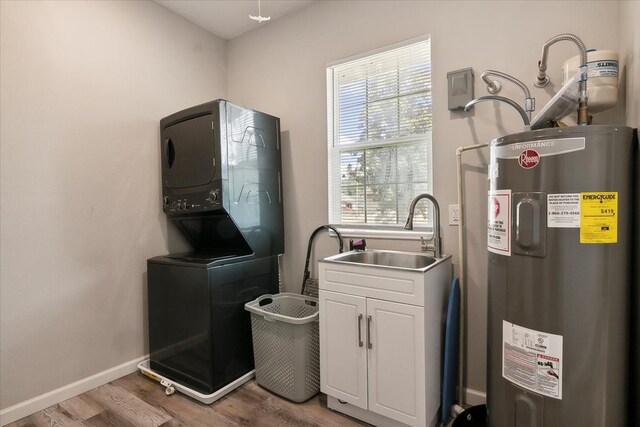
x=403, y=43
x=332, y=155
x=381, y=233
x=38, y=403
x=353, y=65
x=379, y=143
x=474, y=397
x=335, y=148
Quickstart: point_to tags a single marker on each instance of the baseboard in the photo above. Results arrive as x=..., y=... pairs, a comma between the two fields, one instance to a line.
x=474, y=397
x=38, y=403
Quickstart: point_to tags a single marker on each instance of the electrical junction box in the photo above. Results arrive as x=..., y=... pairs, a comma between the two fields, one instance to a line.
x=460, y=84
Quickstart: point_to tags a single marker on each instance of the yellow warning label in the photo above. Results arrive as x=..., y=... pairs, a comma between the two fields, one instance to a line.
x=599, y=217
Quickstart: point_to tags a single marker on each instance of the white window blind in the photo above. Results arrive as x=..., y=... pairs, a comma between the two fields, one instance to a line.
x=379, y=109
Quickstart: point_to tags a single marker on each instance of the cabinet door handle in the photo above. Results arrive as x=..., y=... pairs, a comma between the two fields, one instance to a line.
x=360, y=343
x=369, y=343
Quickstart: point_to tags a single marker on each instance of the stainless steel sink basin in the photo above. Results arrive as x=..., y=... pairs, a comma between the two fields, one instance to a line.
x=389, y=259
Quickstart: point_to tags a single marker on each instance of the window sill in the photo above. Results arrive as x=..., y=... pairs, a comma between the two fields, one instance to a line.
x=384, y=233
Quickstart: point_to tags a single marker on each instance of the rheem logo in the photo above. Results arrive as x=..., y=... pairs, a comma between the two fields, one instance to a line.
x=529, y=159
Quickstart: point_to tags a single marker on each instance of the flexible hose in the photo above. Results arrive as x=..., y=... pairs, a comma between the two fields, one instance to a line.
x=494, y=87
x=543, y=79
x=490, y=83
x=511, y=102
x=542, y=64
x=307, y=273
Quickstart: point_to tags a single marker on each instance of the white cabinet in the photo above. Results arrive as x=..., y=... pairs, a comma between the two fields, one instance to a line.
x=344, y=354
x=379, y=345
x=396, y=361
x=373, y=356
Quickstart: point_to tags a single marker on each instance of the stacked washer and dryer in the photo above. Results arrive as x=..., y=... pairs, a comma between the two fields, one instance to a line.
x=222, y=188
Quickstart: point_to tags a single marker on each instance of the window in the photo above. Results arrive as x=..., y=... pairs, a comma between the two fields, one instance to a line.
x=379, y=116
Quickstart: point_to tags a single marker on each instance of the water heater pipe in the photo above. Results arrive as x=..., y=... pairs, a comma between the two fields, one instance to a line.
x=494, y=86
x=511, y=102
x=461, y=261
x=543, y=79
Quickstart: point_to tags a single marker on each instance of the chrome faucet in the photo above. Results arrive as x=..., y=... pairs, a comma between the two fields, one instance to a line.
x=437, y=245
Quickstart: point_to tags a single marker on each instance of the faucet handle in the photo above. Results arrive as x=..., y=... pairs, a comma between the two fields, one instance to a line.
x=423, y=244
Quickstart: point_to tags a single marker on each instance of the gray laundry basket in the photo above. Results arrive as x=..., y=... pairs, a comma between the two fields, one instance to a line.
x=285, y=344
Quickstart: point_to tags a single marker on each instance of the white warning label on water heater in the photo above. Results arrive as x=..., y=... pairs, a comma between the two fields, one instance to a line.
x=532, y=359
x=499, y=222
x=563, y=210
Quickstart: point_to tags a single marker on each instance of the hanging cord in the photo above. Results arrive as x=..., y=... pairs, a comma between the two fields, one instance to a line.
x=307, y=273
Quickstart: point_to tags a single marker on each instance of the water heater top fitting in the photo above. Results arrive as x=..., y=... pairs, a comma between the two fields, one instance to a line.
x=602, y=72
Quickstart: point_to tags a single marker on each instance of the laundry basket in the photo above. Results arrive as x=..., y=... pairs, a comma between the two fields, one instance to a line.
x=285, y=344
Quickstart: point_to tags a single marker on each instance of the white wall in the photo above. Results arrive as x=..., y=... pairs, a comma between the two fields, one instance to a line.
x=629, y=49
x=84, y=85
x=280, y=68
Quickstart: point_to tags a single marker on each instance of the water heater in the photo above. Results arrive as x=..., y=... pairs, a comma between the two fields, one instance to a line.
x=560, y=240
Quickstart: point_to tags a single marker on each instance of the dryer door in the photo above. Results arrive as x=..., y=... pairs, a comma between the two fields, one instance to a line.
x=188, y=156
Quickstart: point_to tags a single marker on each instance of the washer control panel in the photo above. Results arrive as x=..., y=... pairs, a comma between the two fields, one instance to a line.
x=192, y=203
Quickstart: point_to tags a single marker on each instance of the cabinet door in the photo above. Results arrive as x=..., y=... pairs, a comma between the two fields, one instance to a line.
x=396, y=361
x=343, y=357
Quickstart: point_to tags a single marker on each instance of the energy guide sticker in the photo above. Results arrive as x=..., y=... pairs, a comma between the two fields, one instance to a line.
x=599, y=217
x=532, y=359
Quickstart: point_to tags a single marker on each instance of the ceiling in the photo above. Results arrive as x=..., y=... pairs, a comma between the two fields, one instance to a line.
x=230, y=18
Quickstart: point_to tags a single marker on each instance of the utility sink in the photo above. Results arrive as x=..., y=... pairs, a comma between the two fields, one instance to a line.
x=381, y=326
x=386, y=259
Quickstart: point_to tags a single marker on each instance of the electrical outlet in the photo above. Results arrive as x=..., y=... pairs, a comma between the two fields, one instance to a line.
x=454, y=215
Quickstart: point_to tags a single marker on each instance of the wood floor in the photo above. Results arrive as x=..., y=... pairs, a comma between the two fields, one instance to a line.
x=135, y=400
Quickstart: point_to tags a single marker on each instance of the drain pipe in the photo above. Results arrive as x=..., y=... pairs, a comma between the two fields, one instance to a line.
x=543, y=79
x=461, y=261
